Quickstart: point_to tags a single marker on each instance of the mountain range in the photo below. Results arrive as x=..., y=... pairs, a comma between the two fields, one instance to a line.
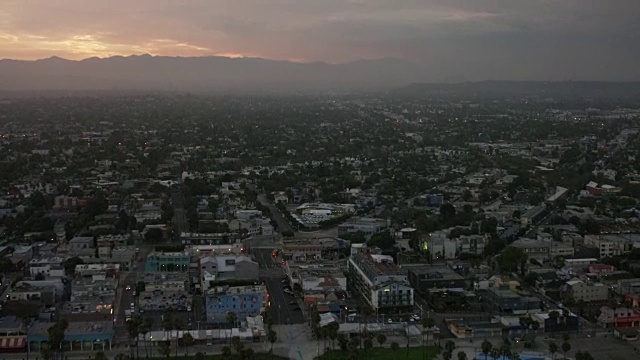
x=146, y=72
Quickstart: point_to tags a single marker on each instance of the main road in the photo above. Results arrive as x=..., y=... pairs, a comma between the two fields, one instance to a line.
x=285, y=308
x=276, y=215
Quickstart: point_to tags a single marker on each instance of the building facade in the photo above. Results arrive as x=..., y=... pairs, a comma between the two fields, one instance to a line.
x=379, y=282
x=244, y=301
x=167, y=262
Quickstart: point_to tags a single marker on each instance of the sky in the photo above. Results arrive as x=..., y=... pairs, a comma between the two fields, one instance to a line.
x=451, y=39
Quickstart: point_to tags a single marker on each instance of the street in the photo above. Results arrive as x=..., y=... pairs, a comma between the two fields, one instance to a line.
x=276, y=215
x=179, y=215
x=282, y=304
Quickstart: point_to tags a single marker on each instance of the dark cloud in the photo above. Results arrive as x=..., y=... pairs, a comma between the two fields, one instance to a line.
x=541, y=39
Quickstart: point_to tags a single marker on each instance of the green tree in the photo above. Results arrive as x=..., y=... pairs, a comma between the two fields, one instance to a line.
x=565, y=348
x=56, y=336
x=272, y=336
x=449, y=346
x=462, y=355
x=226, y=351
x=187, y=341
x=511, y=259
x=133, y=326
x=486, y=348
x=71, y=263
x=237, y=345
x=553, y=349
x=232, y=319
x=164, y=347
x=446, y=355
x=395, y=346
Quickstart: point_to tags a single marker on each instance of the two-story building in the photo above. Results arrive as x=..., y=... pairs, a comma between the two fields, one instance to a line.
x=244, y=301
x=227, y=267
x=167, y=262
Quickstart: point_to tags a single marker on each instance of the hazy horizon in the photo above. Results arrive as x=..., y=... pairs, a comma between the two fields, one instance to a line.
x=541, y=40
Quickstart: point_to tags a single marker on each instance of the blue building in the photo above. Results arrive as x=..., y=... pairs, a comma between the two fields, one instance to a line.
x=79, y=336
x=167, y=262
x=244, y=301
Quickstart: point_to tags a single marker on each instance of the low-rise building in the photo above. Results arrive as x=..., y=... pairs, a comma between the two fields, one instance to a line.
x=227, y=267
x=79, y=336
x=424, y=278
x=244, y=301
x=366, y=226
x=13, y=335
x=505, y=300
x=621, y=317
x=167, y=262
x=170, y=282
x=586, y=291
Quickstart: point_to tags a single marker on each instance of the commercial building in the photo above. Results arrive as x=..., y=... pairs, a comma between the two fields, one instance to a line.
x=244, y=301
x=366, y=226
x=171, y=282
x=424, y=278
x=227, y=267
x=621, y=317
x=504, y=300
x=311, y=250
x=13, y=335
x=533, y=248
x=379, y=282
x=79, y=336
x=167, y=262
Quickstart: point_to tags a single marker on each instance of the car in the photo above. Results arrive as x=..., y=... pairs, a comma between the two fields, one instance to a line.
x=293, y=303
x=133, y=305
x=390, y=320
x=296, y=308
x=128, y=287
x=285, y=281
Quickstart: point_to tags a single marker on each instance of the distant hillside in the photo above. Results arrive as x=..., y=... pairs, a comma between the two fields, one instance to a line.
x=147, y=72
x=541, y=90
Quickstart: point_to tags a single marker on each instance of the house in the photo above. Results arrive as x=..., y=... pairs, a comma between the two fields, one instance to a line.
x=621, y=317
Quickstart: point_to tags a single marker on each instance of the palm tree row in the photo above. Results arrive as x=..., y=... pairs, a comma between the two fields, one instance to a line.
x=504, y=350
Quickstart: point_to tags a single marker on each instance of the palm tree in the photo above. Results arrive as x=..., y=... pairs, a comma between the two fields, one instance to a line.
x=553, y=349
x=462, y=355
x=486, y=348
x=272, y=336
x=368, y=344
x=446, y=355
x=565, y=348
x=226, y=351
x=495, y=353
x=237, y=344
x=381, y=339
x=187, y=340
x=177, y=325
x=133, y=326
x=165, y=349
x=395, y=346
x=553, y=316
x=143, y=330
x=232, y=318
x=449, y=346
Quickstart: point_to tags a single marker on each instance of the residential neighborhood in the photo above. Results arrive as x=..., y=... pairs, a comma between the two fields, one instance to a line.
x=144, y=225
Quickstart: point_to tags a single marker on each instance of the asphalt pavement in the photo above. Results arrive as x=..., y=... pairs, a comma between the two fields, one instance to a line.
x=282, y=305
x=276, y=215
